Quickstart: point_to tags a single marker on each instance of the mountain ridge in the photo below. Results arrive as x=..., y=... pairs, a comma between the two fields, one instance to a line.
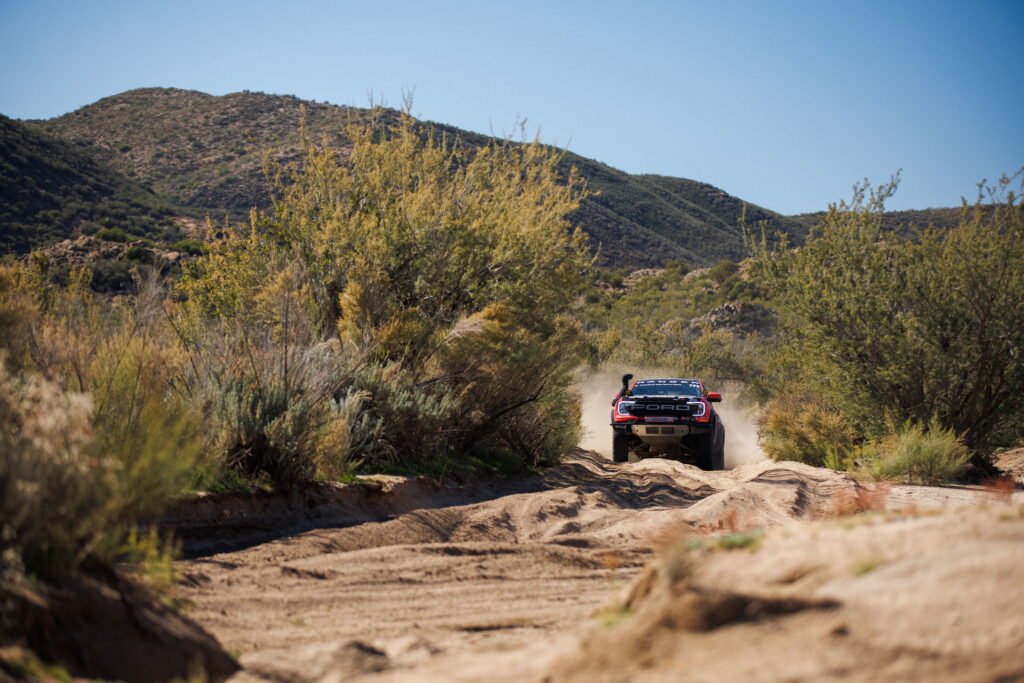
x=200, y=151
x=198, y=155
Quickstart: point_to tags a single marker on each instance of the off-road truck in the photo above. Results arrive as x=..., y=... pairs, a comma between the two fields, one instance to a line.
x=669, y=418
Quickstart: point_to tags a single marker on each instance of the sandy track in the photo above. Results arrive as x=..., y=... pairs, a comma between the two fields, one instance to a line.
x=484, y=590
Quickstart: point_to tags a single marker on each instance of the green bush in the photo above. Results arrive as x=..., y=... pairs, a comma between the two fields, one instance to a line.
x=806, y=432
x=928, y=455
x=441, y=277
x=190, y=246
x=139, y=253
x=112, y=235
x=722, y=271
x=113, y=275
x=911, y=329
x=274, y=411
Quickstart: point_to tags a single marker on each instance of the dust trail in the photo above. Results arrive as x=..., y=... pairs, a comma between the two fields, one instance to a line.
x=741, y=444
x=598, y=387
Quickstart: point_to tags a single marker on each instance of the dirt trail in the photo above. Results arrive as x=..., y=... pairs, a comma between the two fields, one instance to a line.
x=489, y=590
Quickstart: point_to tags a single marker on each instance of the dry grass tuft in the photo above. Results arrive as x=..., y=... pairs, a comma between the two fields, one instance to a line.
x=1001, y=488
x=865, y=498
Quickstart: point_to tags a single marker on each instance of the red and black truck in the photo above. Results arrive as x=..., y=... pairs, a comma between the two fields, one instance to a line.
x=668, y=418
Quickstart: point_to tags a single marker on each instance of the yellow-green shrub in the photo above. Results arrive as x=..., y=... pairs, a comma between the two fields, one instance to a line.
x=52, y=482
x=922, y=328
x=915, y=454
x=442, y=272
x=806, y=432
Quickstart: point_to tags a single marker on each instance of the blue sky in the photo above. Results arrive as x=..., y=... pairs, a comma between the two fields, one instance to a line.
x=783, y=103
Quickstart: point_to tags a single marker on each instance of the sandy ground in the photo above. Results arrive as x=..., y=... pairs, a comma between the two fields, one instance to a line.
x=880, y=597
x=504, y=588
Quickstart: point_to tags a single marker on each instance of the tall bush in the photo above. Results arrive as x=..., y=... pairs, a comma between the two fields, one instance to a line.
x=915, y=454
x=917, y=329
x=93, y=435
x=444, y=273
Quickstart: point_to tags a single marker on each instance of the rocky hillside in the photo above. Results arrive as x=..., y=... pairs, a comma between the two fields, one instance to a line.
x=203, y=152
x=50, y=188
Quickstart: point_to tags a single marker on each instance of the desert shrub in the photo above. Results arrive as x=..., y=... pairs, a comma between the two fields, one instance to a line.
x=113, y=275
x=17, y=308
x=718, y=356
x=274, y=392
x=911, y=329
x=806, y=432
x=139, y=253
x=278, y=417
x=77, y=473
x=441, y=277
x=540, y=435
x=722, y=271
x=483, y=394
x=509, y=371
x=915, y=454
x=94, y=435
x=51, y=490
x=112, y=235
x=190, y=246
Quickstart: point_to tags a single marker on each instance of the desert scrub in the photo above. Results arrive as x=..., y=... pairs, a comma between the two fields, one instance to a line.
x=273, y=409
x=929, y=455
x=914, y=329
x=94, y=435
x=437, y=276
x=51, y=483
x=805, y=431
x=740, y=540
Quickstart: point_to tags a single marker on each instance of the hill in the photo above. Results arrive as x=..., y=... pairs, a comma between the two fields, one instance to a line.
x=905, y=222
x=203, y=152
x=50, y=189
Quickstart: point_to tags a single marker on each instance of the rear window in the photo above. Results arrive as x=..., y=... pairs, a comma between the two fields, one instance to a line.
x=667, y=389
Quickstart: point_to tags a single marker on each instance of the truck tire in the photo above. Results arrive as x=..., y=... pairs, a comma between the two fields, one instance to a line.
x=718, y=453
x=709, y=448
x=704, y=450
x=620, y=448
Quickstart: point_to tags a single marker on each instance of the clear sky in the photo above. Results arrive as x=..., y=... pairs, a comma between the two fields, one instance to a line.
x=783, y=103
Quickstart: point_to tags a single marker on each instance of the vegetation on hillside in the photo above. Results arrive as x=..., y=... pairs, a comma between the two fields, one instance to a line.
x=704, y=322
x=404, y=310
x=905, y=223
x=50, y=189
x=198, y=150
x=204, y=152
